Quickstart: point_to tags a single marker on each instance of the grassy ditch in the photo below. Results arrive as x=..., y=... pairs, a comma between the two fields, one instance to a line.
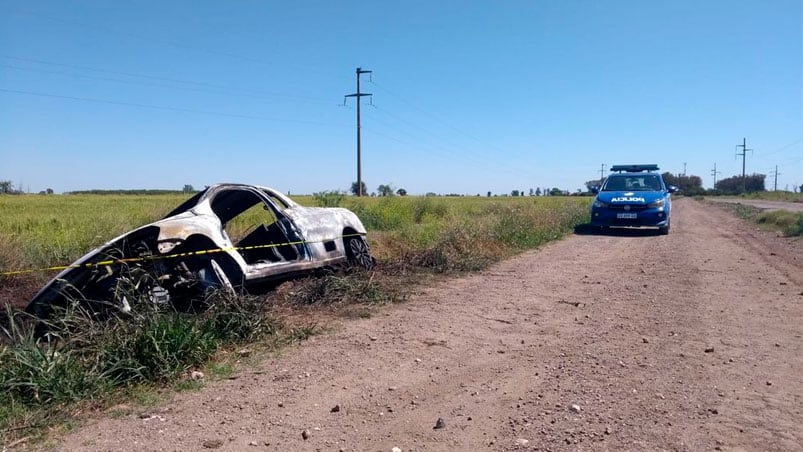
x=788, y=223
x=775, y=196
x=89, y=365
x=463, y=234
x=85, y=364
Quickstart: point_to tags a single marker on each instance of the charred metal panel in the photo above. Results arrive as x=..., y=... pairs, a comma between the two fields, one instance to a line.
x=204, y=253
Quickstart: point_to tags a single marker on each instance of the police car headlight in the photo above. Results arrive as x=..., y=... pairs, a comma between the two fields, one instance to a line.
x=657, y=203
x=599, y=204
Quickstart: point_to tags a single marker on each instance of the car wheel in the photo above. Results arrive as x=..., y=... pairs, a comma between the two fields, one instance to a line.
x=664, y=230
x=358, y=253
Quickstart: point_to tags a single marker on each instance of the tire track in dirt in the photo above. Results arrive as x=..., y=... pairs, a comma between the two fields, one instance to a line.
x=690, y=341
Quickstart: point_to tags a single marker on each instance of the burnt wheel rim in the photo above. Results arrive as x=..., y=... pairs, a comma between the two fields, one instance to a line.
x=360, y=254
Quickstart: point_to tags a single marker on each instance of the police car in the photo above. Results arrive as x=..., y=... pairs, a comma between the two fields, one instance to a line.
x=634, y=196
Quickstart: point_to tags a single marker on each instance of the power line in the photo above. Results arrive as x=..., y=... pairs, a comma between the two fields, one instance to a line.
x=480, y=159
x=200, y=86
x=462, y=154
x=85, y=26
x=445, y=123
x=440, y=151
x=782, y=148
x=167, y=108
x=463, y=150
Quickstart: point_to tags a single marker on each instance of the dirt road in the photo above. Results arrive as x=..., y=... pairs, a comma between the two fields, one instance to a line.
x=691, y=341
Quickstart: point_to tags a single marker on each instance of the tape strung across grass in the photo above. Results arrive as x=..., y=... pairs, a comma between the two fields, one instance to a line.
x=110, y=262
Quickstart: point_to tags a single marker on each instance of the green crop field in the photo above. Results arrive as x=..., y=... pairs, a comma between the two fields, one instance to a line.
x=38, y=231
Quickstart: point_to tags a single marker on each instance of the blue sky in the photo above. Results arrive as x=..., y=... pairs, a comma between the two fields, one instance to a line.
x=468, y=96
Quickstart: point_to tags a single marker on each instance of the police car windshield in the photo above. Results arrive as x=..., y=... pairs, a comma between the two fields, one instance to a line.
x=632, y=182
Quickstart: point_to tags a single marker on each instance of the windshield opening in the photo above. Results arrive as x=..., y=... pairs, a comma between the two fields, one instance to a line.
x=640, y=182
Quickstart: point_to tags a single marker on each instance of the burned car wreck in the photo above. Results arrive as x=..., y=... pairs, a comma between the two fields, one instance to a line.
x=229, y=236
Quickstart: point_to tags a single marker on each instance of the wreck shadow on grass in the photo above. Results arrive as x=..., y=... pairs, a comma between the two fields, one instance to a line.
x=588, y=229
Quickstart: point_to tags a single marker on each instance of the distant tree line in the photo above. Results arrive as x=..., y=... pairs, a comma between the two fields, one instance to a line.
x=738, y=184
x=186, y=189
x=124, y=192
x=381, y=190
x=7, y=188
x=688, y=185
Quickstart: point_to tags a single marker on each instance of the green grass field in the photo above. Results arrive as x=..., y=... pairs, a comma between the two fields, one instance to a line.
x=38, y=231
x=776, y=196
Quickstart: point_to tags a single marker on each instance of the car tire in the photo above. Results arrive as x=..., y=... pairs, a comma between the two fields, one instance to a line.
x=664, y=230
x=358, y=253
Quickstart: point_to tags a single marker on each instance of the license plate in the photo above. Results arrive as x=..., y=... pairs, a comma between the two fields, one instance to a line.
x=626, y=216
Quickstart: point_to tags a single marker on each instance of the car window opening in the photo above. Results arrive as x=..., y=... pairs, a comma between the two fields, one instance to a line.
x=632, y=183
x=254, y=228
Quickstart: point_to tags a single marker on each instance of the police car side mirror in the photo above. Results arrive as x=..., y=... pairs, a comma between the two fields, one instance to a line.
x=595, y=189
x=672, y=189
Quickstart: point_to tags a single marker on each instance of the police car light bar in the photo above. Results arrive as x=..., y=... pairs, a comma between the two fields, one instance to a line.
x=634, y=168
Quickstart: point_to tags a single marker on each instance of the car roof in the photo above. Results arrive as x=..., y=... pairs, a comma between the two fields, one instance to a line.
x=212, y=189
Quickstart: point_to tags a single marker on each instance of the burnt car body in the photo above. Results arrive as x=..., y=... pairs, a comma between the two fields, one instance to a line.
x=191, y=251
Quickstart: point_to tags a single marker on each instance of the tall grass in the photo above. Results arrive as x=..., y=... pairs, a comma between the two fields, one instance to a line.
x=42, y=231
x=51, y=230
x=775, y=196
x=789, y=223
x=786, y=222
x=81, y=359
x=446, y=234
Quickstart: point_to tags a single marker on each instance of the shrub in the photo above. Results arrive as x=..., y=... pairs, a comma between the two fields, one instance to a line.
x=790, y=223
x=328, y=198
x=83, y=358
x=331, y=289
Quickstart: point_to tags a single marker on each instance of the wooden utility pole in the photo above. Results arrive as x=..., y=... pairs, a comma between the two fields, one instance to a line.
x=743, y=155
x=714, y=173
x=358, y=95
x=776, y=174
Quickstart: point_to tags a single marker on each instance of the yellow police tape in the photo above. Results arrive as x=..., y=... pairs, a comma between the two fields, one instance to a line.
x=109, y=262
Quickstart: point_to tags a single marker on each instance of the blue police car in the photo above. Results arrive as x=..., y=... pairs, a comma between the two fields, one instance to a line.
x=634, y=196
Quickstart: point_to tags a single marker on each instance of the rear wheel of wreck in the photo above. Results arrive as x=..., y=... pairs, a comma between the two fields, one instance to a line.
x=358, y=252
